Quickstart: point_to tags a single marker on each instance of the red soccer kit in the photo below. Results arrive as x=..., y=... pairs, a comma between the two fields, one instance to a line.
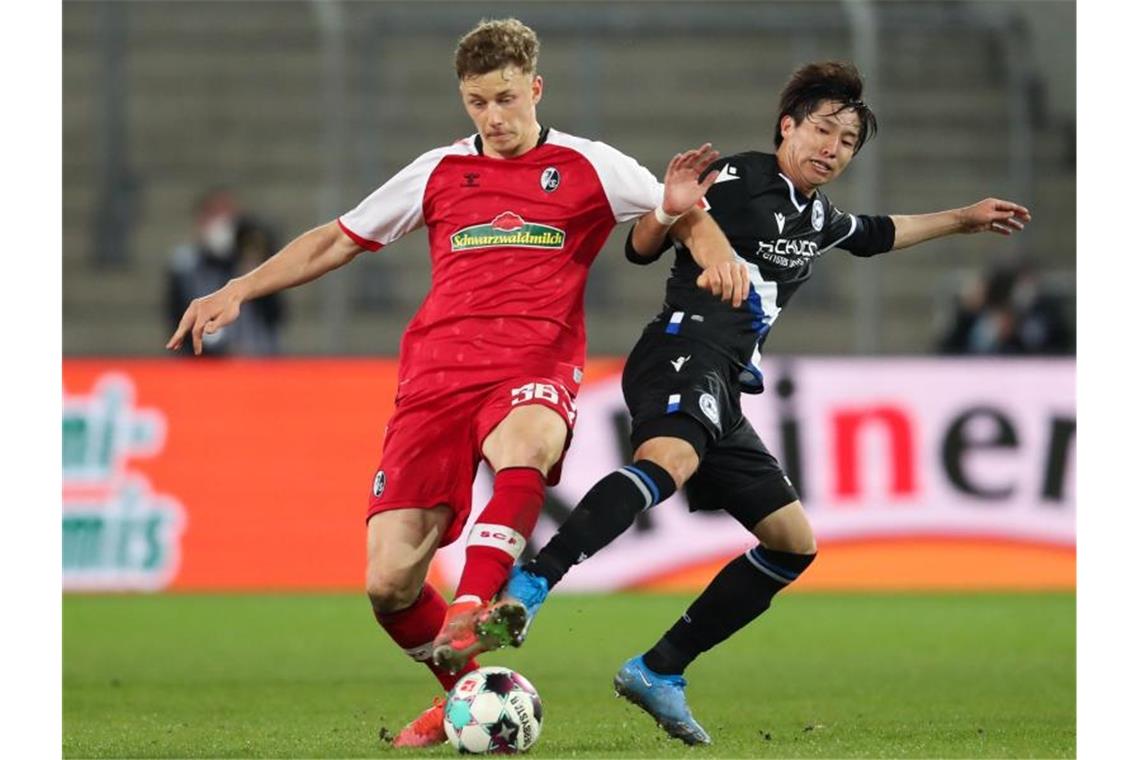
x=502, y=325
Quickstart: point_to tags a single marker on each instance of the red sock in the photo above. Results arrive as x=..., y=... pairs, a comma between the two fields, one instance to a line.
x=500, y=534
x=413, y=629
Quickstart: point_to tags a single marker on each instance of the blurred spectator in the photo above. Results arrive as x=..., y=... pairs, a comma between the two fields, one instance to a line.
x=1007, y=312
x=227, y=243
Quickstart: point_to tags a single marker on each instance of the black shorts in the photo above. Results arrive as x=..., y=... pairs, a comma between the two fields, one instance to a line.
x=682, y=388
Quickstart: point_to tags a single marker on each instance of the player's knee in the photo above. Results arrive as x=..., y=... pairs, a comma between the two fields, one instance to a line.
x=794, y=542
x=675, y=456
x=531, y=436
x=390, y=593
x=535, y=454
x=803, y=545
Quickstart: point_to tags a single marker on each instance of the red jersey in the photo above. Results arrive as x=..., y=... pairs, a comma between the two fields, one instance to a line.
x=511, y=243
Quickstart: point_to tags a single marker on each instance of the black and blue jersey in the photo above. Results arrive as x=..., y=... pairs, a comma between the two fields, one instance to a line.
x=779, y=234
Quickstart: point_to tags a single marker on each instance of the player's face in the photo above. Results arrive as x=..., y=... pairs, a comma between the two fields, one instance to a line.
x=502, y=105
x=819, y=148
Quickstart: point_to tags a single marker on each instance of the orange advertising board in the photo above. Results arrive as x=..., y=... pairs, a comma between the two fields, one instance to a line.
x=270, y=461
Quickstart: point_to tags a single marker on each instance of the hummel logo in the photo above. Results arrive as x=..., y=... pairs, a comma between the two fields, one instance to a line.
x=680, y=362
x=471, y=179
x=780, y=222
x=727, y=174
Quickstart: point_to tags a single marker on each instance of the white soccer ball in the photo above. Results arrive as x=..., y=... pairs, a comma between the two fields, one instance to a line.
x=493, y=709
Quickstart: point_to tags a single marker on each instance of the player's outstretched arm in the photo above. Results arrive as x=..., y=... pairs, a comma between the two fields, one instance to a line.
x=316, y=252
x=989, y=215
x=684, y=188
x=724, y=275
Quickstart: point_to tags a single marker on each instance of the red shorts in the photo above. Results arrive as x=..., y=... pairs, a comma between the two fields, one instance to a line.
x=432, y=446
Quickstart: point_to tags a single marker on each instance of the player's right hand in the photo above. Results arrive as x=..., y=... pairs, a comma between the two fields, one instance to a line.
x=205, y=316
x=994, y=215
x=727, y=280
x=684, y=187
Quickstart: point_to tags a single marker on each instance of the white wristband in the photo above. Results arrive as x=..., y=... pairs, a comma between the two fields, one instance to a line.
x=666, y=219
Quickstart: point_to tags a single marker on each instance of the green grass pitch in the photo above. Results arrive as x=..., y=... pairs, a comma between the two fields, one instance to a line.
x=820, y=675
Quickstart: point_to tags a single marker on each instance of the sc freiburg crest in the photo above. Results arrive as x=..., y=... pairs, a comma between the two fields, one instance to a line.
x=550, y=179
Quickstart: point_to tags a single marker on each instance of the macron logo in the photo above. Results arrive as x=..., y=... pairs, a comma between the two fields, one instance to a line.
x=727, y=174
x=780, y=222
x=680, y=362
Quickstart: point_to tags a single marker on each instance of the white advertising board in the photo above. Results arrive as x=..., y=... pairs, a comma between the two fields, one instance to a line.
x=974, y=448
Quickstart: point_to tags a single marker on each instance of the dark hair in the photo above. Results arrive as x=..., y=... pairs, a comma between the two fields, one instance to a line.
x=493, y=45
x=814, y=83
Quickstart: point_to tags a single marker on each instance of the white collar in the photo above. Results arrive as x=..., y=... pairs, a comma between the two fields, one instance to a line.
x=792, y=193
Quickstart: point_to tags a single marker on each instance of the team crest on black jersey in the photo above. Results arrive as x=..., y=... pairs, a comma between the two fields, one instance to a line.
x=817, y=215
x=509, y=230
x=550, y=179
x=710, y=408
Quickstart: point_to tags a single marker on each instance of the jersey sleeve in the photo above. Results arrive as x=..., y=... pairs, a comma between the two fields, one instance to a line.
x=631, y=189
x=395, y=208
x=633, y=256
x=874, y=235
x=838, y=228
x=860, y=235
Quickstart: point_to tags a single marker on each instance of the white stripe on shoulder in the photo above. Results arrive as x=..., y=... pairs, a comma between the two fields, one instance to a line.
x=396, y=207
x=630, y=188
x=850, y=232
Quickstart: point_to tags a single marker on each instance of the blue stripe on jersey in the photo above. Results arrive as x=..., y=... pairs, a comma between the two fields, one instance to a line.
x=751, y=377
x=648, y=482
x=674, y=325
x=760, y=321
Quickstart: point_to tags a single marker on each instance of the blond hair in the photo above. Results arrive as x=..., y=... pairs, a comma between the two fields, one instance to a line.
x=496, y=44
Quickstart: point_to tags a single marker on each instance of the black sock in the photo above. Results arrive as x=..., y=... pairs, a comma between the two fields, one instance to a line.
x=604, y=513
x=740, y=592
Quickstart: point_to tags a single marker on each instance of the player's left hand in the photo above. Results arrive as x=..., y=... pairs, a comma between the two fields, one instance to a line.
x=727, y=280
x=994, y=215
x=683, y=184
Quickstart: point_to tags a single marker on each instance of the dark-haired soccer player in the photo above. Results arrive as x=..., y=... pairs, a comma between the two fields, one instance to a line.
x=684, y=378
x=490, y=364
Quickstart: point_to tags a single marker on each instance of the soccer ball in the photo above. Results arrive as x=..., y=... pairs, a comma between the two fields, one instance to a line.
x=493, y=709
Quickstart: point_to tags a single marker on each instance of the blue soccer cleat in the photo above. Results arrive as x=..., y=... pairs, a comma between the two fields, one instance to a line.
x=663, y=697
x=509, y=618
x=526, y=588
